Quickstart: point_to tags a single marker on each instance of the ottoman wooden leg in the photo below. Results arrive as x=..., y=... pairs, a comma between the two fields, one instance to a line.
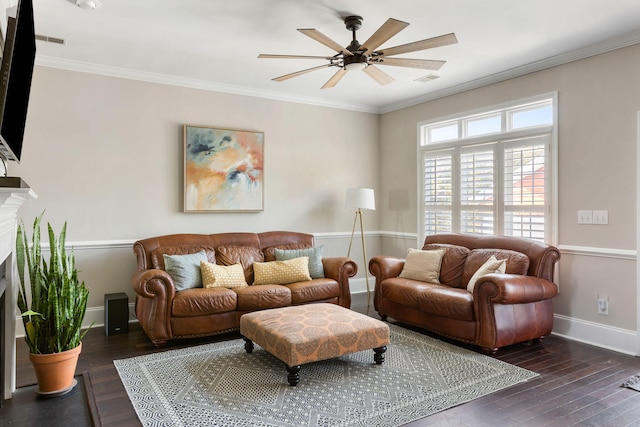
x=248, y=345
x=378, y=357
x=293, y=377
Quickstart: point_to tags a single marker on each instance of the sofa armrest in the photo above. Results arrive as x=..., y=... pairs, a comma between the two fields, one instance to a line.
x=384, y=267
x=513, y=289
x=155, y=292
x=340, y=269
x=153, y=284
x=512, y=308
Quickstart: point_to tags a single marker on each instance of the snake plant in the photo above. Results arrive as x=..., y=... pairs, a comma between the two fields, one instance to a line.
x=58, y=299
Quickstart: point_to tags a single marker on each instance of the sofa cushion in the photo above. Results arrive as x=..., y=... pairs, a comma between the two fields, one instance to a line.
x=517, y=262
x=313, y=290
x=222, y=276
x=407, y=292
x=201, y=302
x=270, y=252
x=448, y=302
x=423, y=265
x=452, y=263
x=281, y=272
x=316, y=270
x=492, y=265
x=185, y=269
x=260, y=297
x=245, y=255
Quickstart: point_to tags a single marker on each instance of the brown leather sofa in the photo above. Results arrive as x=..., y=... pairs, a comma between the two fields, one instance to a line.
x=503, y=309
x=167, y=314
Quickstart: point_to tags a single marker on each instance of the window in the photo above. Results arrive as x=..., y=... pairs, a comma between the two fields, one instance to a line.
x=490, y=173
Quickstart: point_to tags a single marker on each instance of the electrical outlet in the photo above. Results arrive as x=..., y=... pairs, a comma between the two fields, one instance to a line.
x=603, y=306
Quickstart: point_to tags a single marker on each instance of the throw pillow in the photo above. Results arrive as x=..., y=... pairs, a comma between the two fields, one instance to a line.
x=281, y=272
x=423, y=265
x=270, y=255
x=185, y=269
x=492, y=265
x=222, y=276
x=316, y=271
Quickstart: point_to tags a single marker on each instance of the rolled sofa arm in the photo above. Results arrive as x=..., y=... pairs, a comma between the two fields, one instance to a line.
x=513, y=289
x=341, y=269
x=511, y=308
x=384, y=267
x=155, y=291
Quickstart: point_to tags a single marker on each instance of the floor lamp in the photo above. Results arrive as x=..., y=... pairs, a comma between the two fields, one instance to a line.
x=359, y=199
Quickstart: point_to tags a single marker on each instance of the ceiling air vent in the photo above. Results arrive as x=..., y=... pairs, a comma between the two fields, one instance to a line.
x=427, y=78
x=50, y=39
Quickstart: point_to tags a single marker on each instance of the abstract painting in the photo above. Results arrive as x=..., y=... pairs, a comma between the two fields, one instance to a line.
x=223, y=170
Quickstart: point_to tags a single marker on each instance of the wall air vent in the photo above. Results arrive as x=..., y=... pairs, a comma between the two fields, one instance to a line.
x=427, y=78
x=50, y=39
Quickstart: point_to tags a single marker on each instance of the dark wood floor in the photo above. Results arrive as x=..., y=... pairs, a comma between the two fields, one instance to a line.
x=578, y=385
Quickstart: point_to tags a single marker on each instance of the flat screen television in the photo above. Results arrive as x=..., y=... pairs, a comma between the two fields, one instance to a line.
x=15, y=80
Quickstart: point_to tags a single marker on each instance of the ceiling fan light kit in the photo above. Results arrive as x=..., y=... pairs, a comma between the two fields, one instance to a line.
x=88, y=4
x=365, y=57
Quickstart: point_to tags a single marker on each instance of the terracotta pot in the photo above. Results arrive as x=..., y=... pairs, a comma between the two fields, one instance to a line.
x=55, y=371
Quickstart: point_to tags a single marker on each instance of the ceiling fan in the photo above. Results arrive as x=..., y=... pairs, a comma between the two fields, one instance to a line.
x=365, y=57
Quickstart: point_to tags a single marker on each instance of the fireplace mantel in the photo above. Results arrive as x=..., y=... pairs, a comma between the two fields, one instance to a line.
x=10, y=201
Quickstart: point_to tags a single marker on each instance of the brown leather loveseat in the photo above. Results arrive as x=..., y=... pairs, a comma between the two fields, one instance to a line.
x=166, y=313
x=502, y=309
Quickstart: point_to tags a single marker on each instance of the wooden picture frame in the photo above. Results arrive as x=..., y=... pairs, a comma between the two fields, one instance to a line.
x=223, y=170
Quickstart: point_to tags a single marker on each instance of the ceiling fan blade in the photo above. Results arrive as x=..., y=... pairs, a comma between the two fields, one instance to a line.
x=384, y=33
x=444, y=40
x=335, y=78
x=268, y=55
x=319, y=37
x=299, y=73
x=378, y=75
x=426, y=64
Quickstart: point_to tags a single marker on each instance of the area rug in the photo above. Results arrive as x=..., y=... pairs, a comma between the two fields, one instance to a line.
x=633, y=383
x=220, y=384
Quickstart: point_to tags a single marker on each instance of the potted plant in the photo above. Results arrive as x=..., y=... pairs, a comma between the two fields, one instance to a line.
x=58, y=304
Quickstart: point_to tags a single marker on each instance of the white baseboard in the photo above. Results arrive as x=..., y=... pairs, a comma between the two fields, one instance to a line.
x=604, y=336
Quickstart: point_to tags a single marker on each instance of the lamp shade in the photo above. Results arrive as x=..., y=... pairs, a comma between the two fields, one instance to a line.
x=360, y=198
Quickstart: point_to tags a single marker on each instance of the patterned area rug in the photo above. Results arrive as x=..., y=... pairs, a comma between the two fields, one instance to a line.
x=220, y=384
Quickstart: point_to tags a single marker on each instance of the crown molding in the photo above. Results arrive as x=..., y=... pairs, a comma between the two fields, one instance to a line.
x=564, y=58
x=586, y=52
x=105, y=70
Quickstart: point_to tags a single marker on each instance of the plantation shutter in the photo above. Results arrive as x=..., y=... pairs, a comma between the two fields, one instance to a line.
x=477, y=190
x=438, y=195
x=524, y=187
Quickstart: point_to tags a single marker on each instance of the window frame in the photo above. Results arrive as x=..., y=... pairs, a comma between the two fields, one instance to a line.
x=549, y=131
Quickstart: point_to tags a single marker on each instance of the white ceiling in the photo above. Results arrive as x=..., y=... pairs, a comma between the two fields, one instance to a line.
x=214, y=44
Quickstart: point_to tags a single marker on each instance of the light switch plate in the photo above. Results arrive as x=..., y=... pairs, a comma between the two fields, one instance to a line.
x=585, y=217
x=601, y=217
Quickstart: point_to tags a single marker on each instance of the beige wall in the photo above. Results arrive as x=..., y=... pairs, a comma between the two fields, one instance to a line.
x=599, y=98
x=106, y=154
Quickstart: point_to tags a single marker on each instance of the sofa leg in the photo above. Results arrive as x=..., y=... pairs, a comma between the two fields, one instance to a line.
x=383, y=317
x=489, y=351
x=537, y=340
x=159, y=343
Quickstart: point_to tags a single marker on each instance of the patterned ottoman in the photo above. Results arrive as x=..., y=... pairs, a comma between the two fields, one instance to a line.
x=312, y=332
